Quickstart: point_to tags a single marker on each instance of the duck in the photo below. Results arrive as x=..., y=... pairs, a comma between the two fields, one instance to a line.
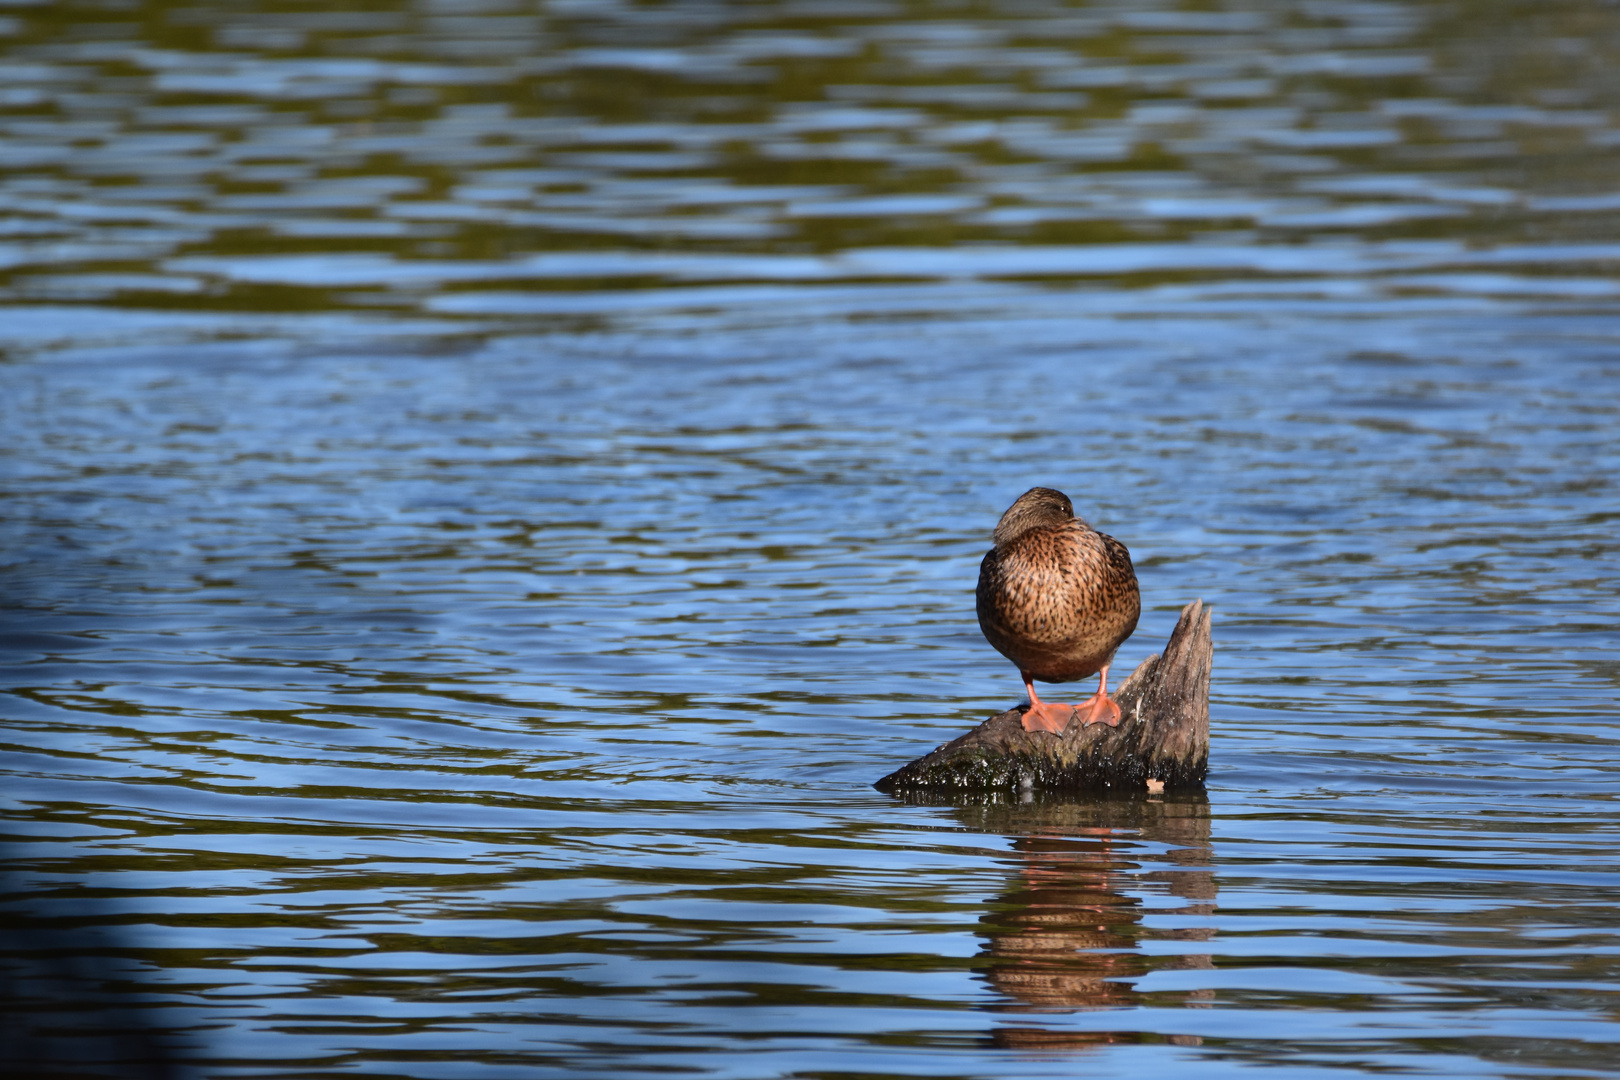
x=1058, y=599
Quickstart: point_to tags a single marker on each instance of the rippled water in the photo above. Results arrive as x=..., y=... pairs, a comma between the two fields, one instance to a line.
x=488, y=488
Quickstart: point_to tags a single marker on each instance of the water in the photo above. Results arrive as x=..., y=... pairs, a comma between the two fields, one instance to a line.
x=487, y=489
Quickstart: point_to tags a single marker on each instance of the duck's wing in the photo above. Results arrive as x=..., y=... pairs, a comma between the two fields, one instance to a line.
x=991, y=584
x=1119, y=582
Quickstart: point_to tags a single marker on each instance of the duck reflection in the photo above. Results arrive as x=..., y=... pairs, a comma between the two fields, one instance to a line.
x=1066, y=934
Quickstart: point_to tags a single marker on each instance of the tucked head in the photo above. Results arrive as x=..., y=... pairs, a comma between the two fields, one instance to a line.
x=1034, y=508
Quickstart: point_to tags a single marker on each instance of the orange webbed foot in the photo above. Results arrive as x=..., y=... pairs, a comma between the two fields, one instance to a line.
x=1048, y=716
x=1098, y=709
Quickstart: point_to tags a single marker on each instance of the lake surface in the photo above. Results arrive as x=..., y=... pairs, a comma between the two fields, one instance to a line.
x=486, y=489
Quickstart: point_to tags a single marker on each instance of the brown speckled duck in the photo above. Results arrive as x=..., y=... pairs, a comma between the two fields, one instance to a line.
x=1057, y=597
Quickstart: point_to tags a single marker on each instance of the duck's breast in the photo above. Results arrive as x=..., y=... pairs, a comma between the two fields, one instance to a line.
x=1058, y=602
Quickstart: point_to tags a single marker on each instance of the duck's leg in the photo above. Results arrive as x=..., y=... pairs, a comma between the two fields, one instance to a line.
x=1099, y=708
x=1044, y=715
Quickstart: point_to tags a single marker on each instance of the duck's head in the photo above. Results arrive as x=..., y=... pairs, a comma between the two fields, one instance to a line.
x=1034, y=508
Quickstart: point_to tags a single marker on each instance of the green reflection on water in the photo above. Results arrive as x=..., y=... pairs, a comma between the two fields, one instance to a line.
x=165, y=131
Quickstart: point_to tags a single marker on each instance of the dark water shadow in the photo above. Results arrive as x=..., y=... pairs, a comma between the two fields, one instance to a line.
x=74, y=999
x=1067, y=933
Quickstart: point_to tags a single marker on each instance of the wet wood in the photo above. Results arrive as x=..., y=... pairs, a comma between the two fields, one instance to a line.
x=1161, y=743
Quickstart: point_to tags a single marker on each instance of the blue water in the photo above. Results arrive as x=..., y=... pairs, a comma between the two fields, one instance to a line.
x=487, y=490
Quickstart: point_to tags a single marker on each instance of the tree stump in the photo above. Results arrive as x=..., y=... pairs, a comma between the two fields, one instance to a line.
x=1161, y=743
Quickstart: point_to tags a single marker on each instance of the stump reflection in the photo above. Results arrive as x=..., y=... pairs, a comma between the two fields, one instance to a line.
x=1066, y=935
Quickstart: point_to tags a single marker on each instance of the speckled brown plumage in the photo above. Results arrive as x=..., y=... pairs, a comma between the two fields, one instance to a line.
x=1056, y=597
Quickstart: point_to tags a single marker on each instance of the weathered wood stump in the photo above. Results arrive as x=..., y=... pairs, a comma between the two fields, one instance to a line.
x=1161, y=743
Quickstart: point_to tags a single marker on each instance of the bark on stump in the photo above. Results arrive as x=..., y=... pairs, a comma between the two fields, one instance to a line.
x=1161, y=743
